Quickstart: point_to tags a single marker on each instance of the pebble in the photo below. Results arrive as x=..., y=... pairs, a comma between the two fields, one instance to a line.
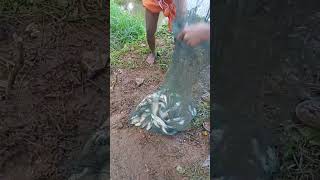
x=205, y=133
x=139, y=81
x=120, y=126
x=206, y=163
x=180, y=169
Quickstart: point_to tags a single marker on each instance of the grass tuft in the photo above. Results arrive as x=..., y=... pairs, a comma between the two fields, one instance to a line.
x=124, y=28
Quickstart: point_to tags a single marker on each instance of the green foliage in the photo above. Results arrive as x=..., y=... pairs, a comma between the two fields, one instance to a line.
x=196, y=172
x=116, y=58
x=124, y=28
x=203, y=115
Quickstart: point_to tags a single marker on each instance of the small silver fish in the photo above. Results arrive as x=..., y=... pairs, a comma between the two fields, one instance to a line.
x=159, y=121
x=135, y=120
x=149, y=126
x=144, y=124
x=194, y=111
x=162, y=104
x=142, y=103
x=164, y=98
x=190, y=109
x=163, y=115
x=164, y=130
x=177, y=119
x=156, y=120
x=155, y=107
x=181, y=122
x=143, y=117
x=149, y=100
x=156, y=124
x=141, y=108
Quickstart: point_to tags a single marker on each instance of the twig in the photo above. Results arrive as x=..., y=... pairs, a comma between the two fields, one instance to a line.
x=92, y=82
x=6, y=61
x=115, y=82
x=18, y=65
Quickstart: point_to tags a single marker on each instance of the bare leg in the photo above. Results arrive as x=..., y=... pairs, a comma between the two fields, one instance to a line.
x=151, y=28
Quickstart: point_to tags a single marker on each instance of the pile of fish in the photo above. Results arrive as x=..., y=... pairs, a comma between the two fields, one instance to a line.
x=163, y=112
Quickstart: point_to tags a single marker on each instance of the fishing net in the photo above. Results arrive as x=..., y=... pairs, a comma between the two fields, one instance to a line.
x=173, y=106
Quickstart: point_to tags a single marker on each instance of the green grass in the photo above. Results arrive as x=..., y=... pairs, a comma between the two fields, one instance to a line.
x=124, y=28
x=166, y=49
x=203, y=114
x=300, y=152
x=140, y=49
x=196, y=172
x=125, y=1
x=117, y=57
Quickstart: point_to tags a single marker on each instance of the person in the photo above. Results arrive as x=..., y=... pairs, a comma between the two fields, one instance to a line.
x=195, y=34
x=153, y=9
x=192, y=35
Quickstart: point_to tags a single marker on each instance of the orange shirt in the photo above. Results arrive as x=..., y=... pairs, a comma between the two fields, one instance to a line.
x=166, y=6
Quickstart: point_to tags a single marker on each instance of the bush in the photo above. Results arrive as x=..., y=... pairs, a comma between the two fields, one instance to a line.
x=124, y=27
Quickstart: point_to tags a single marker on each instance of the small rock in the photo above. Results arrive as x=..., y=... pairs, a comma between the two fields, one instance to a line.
x=120, y=126
x=139, y=81
x=206, y=163
x=205, y=133
x=180, y=170
x=206, y=126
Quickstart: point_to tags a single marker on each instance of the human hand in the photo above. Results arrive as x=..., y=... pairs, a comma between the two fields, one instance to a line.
x=195, y=34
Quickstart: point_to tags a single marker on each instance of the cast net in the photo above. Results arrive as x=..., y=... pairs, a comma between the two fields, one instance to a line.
x=174, y=105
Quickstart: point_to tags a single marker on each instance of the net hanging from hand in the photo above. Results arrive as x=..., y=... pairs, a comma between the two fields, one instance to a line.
x=173, y=106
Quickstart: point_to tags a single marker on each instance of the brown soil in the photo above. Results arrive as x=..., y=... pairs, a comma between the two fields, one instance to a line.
x=136, y=153
x=53, y=107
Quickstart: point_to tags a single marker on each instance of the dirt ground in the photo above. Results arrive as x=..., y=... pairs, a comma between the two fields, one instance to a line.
x=55, y=103
x=136, y=153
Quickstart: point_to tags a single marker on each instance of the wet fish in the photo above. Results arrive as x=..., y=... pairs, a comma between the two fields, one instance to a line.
x=159, y=121
x=181, y=122
x=135, y=120
x=192, y=110
x=177, y=119
x=155, y=107
x=164, y=97
x=149, y=126
x=163, y=115
x=156, y=120
x=144, y=124
x=164, y=130
x=143, y=103
x=143, y=117
x=162, y=104
x=156, y=124
x=149, y=100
